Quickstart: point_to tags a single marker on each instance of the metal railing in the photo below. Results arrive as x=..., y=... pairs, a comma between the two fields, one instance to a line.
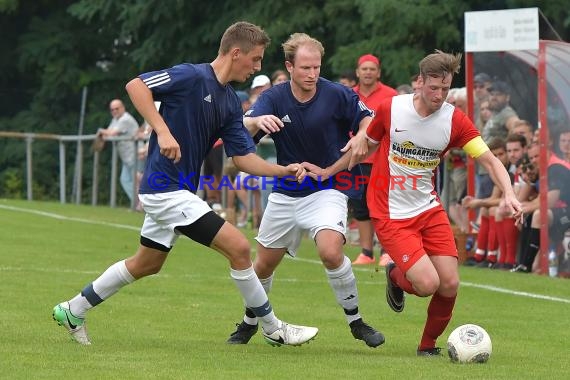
x=63, y=140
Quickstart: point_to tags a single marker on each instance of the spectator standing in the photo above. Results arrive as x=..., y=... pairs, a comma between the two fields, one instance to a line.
x=404, y=89
x=123, y=124
x=371, y=92
x=348, y=79
x=279, y=76
x=259, y=84
x=481, y=84
x=484, y=115
x=504, y=116
x=456, y=166
x=564, y=145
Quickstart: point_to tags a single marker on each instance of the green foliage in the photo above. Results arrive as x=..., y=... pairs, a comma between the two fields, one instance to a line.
x=12, y=184
x=8, y=6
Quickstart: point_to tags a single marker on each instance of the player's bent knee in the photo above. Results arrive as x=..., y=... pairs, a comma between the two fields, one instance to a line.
x=239, y=253
x=449, y=286
x=425, y=287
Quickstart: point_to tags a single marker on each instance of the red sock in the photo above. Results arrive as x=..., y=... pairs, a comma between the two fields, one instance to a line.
x=438, y=316
x=502, y=238
x=512, y=238
x=493, y=242
x=400, y=279
x=482, y=238
x=493, y=247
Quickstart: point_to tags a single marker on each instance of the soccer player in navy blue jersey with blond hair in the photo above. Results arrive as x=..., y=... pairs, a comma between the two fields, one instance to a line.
x=198, y=106
x=310, y=120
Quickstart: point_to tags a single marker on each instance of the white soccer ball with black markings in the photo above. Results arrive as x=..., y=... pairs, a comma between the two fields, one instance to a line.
x=469, y=344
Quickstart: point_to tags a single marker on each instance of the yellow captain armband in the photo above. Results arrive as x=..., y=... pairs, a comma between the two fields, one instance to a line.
x=475, y=147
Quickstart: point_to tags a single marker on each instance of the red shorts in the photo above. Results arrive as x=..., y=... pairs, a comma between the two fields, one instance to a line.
x=407, y=240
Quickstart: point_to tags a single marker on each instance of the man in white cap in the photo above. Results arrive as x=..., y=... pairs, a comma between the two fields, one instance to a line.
x=260, y=83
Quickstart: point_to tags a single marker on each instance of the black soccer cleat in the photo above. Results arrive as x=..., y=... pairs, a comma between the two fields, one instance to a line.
x=243, y=333
x=394, y=294
x=366, y=333
x=436, y=351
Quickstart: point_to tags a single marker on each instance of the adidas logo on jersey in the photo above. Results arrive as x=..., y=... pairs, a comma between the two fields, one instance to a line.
x=286, y=119
x=340, y=224
x=208, y=98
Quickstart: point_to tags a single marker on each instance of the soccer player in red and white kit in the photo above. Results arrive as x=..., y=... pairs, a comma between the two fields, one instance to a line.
x=412, y=133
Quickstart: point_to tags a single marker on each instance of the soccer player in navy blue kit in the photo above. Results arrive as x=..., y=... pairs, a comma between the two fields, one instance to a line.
x=198, y=106
x=310, y=120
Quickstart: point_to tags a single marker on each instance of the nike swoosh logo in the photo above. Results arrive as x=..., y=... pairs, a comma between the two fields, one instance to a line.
x=280, y=340
x=73, y=327
x=400, y=130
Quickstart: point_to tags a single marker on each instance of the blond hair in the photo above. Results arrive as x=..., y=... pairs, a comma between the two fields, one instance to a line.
x=440, y=64
x=243, y=35
x=295, y=41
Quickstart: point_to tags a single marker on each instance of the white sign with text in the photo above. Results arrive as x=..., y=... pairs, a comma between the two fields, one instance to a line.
x=513, y=29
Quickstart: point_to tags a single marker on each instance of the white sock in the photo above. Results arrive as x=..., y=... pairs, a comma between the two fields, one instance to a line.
x=109, y=283
x=267, y=283
x=343, y=283
x=255, y=297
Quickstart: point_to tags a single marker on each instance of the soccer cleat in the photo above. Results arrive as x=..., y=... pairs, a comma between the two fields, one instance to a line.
x=290, y=335
x=385, y=259
x=470, y=262
x=394, y=294
x=436, y=351
x=362, y=259
x=75, y=326
x=485, y=264
x=366, y=333
x=243, y=333
x=520, y=269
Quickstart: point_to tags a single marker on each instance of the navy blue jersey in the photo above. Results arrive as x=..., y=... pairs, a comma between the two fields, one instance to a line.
x=314, y=131
x=197, y=110
x=558, y=179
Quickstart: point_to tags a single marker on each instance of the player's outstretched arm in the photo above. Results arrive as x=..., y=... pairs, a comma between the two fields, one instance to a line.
x=255, y=165
x=343, y=163
x=354, y=146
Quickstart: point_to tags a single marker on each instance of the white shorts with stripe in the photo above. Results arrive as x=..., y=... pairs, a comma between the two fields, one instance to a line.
x=166, y=211
x=285, y=218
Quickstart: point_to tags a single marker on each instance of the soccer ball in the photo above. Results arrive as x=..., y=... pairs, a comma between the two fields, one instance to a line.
x=469, y=344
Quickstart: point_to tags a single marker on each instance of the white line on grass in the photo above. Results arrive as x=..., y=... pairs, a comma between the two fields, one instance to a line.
x=317, y=262
x=63, y=217
x=514, y=292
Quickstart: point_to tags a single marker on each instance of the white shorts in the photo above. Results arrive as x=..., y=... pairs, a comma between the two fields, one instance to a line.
x=166, y=211
x=285, y=218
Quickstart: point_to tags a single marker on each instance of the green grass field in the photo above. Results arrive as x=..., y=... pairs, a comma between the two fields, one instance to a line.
x=174, y=325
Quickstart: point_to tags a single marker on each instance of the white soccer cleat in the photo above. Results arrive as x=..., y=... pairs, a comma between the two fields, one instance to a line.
x=74, y=325
x=291, y=335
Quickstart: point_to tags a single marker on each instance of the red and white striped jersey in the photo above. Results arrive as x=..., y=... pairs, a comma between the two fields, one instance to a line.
x=402, y=181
